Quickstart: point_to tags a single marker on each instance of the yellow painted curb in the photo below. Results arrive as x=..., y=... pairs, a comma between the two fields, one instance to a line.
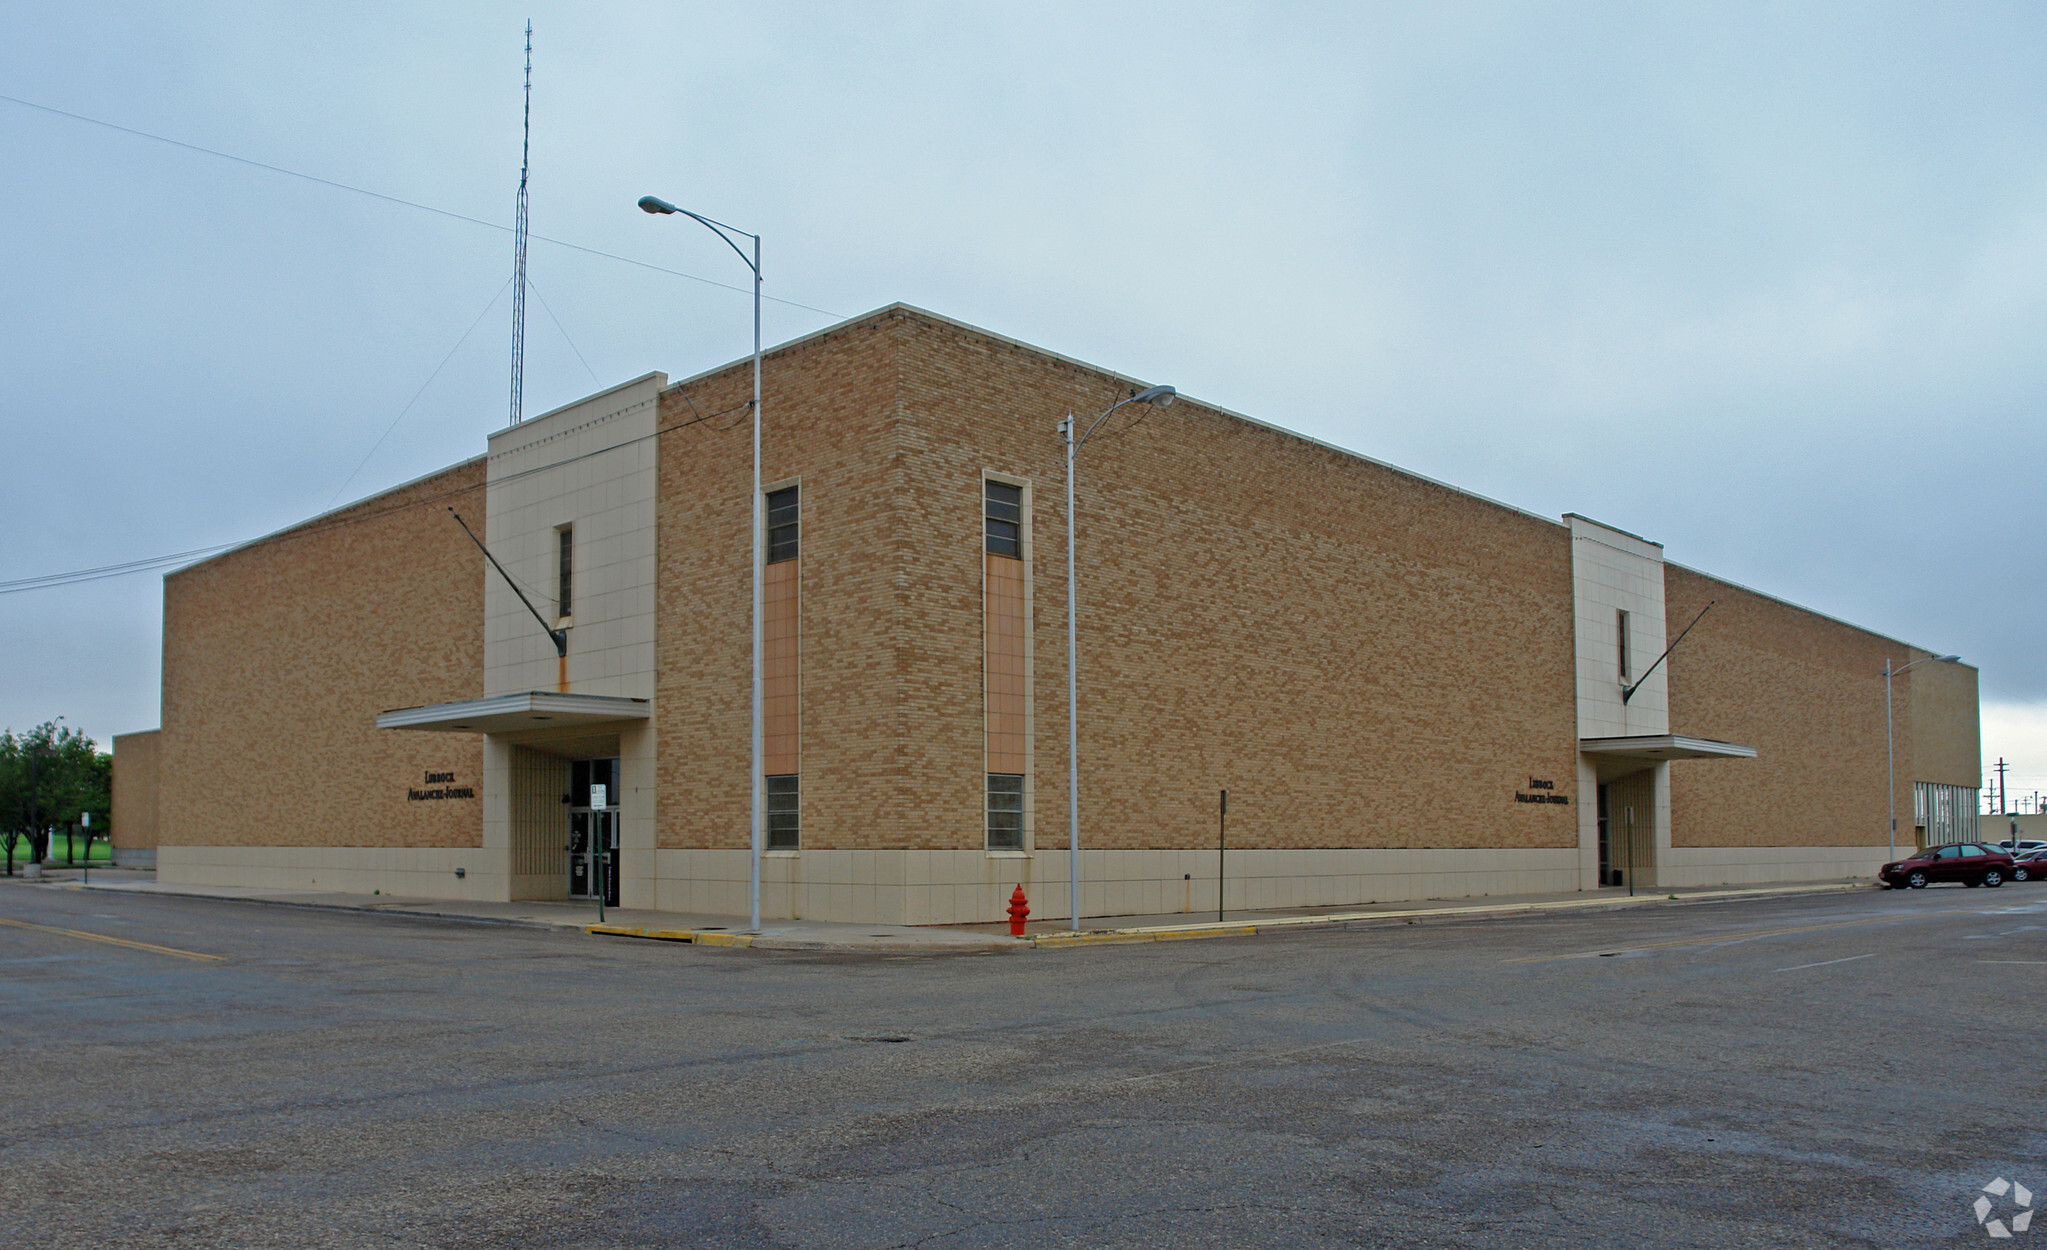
x=695, y=937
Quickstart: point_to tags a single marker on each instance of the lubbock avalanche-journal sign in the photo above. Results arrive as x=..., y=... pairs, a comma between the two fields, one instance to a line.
x=439, y=788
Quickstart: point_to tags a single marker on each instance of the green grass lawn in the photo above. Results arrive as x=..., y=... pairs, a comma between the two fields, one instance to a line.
x=101, y=852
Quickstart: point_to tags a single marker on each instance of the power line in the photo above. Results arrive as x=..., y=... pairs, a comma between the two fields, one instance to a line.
x=51, y=581
x=421, y=391
x=392, y=199
x=564, y=329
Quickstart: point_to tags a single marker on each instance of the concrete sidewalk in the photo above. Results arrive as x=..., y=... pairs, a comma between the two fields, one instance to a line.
x=702, y=930
x=1177, y=926
x=817, y=935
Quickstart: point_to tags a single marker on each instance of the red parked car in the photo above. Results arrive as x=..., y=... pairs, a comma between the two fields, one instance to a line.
x=2029, y=866
x=1964, y=861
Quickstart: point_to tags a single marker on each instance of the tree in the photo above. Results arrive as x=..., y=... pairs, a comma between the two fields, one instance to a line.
x=49, y=777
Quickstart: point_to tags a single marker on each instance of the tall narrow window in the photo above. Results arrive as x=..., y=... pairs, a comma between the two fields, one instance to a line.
x=782, y=527
x=785, y=832
x=1004, y=517
x=1621, y=629
x=1005, y=812
x=567, y=536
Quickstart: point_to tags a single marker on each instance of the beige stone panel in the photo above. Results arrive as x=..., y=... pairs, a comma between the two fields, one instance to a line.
x=639, y=797
x=1006, y=669
x=589, y=466
x=781, y=671
x=959, y=887
x=1612, y=572
x=1695, y=866
x=406, y=872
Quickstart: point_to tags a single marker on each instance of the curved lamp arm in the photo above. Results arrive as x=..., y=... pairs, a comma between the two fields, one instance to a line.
x=653, y=204
x=1158, y=396
x=1924, y=659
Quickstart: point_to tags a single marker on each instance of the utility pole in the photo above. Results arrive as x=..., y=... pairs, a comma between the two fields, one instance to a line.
x=2000, y=785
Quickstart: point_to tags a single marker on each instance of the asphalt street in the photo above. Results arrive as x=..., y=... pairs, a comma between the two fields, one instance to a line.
x=1839, y=1070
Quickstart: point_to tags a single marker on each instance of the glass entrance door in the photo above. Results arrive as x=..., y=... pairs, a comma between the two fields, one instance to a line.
x=593, y=830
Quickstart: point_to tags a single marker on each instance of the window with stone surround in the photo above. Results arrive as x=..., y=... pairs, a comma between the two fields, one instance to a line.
x=1002, y=514
x=782, y=525
x=785, y=833
x=1005, y=812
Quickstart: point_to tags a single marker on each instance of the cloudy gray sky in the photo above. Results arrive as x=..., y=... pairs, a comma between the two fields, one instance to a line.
x=1766, y=283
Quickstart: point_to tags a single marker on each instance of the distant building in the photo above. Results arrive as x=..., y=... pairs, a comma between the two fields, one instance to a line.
x=2002, y=827
x=1408, y=691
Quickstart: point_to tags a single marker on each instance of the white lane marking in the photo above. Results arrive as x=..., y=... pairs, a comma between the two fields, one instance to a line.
x=1824, y=962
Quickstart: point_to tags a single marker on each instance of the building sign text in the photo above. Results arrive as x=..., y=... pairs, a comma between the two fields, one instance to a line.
x=440, y=789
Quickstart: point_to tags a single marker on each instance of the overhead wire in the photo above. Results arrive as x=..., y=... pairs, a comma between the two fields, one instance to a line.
x=320, y=526
x=531, y=286
x=74, y=577
x=393, y=199
x=336, y=498
x=77, y=576
x=49, y=580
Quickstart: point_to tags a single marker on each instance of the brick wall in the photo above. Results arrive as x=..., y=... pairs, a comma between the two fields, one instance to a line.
x=1363, y=658
x=1808, y=693
x=1944, y=724
x=827, y=404
x=135, y=791
x=279, y=655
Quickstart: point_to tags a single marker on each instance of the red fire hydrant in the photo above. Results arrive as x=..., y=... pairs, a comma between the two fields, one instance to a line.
x=1019, y=911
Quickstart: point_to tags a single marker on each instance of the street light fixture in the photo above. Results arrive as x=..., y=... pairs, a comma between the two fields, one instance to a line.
x=650, y=204
x=1158, y=397
x=1890, y=751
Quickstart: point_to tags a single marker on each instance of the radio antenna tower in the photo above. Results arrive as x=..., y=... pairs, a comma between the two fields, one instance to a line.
x=519, y=245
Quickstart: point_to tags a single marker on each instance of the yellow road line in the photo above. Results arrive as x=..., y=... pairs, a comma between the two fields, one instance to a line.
x=113, y=941
x=1731, y=937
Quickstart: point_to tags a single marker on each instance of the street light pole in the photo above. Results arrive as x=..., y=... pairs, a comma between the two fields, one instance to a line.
x=1890, y=749
x=1161, y=397
x=755, y=784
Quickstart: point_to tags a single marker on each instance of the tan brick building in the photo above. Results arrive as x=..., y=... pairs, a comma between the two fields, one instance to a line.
x=1407, y=690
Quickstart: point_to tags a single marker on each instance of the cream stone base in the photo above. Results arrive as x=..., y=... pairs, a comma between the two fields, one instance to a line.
x=415, y=872
x=1769, y=865
x=962, y=887
x=959, y=887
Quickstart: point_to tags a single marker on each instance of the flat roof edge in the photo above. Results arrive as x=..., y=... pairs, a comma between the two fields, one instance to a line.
x=1048, y=354
x=317, y=517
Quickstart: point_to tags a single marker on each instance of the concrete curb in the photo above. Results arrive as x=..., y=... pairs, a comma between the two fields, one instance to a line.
x=1367, y=919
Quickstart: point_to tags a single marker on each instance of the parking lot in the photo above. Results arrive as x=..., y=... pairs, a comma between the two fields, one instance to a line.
x=1846, y=1069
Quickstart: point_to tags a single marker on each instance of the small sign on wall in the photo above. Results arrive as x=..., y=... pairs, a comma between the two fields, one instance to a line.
x=1541, y=790
x=437, y=786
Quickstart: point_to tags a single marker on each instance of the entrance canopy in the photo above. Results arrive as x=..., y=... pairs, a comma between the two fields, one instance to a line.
x=1654, y=747
x=506, y=713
